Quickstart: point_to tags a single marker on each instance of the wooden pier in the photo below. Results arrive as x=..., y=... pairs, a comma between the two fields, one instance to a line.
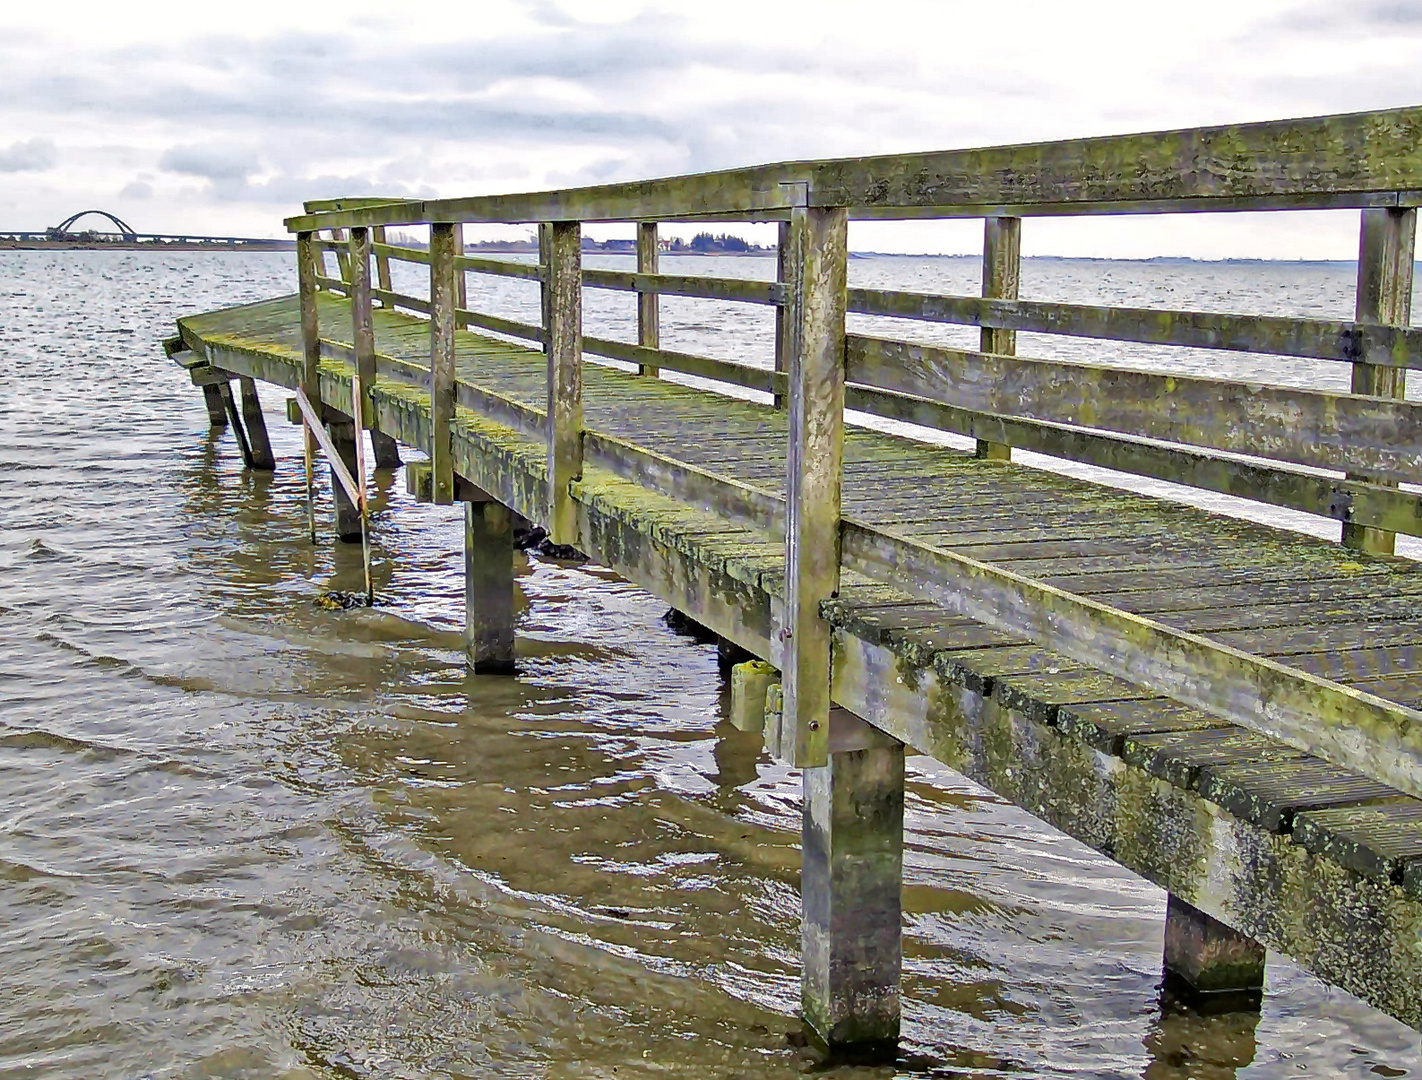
x=1228, y=709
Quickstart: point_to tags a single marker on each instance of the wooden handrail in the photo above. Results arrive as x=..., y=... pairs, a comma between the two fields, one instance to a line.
x=1353, y=160
x=1379, y=436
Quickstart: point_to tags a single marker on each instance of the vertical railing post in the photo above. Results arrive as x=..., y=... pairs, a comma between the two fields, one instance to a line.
x=1386, y=249
x=382, y=266
x=306, y=264
x=784, y=274
x=362, y=321
x=443, y=294
x=545, y=248
x=343, y=262
x=1002, y=274
x=816, y=422
x=461, y=280
x=565, y=377
x=649, y=331
x=387, y=450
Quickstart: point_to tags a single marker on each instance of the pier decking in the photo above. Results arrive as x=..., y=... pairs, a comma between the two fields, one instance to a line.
x=1228, y=709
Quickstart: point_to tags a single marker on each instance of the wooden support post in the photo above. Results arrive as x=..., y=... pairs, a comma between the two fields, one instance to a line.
x=565, y=378
x=1208, y=957
x=488, y=587
x=649, y=327
x=307, y=255
x=348, y=520
x=851, y=888
x=259, y=444
x=784, y=273
x=816, y=419
x=1385, y=258
x=442, y=301
x=386, y=450
x=234, y=418
x=216, y=411
x=382, y=271
x=1002, y=275
x=750, y=684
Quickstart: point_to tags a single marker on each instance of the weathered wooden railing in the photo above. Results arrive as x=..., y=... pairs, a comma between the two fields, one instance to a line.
x=1340, y=455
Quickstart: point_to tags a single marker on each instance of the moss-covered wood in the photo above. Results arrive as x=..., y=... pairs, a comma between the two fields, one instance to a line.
x=1306, y=427
x=1360, y=159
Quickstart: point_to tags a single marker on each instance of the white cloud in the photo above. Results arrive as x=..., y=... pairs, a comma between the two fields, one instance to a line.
x=31, y=155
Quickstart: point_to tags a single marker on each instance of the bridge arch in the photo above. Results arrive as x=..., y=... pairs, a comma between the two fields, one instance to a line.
x=125, y=229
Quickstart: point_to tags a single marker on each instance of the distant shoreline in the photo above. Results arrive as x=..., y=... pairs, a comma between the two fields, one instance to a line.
x=513, y=248
x=153, y=245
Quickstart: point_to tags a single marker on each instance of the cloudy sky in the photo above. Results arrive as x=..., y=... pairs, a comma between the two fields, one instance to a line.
x=222, y=118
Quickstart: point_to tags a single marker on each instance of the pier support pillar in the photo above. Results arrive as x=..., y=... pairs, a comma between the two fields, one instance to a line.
x=1209, y=958
x=489, y=587
x=750, y=684
x=851, y=892
x=216, y=410
x=261, y=456
x=343, y=437
x=386, y=450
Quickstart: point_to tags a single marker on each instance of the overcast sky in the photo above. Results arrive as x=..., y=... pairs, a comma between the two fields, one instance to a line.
x=221, y=118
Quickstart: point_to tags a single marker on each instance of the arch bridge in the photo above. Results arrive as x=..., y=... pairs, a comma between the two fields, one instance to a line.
x=125, y=230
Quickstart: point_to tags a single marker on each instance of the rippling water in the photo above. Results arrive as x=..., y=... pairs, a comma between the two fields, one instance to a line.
x=241, y=836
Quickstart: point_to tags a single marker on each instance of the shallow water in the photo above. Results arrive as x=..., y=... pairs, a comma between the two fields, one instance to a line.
x=242, y=836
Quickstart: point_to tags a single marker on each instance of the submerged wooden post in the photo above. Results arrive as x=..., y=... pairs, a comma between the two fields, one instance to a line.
x=442, y=303
x=565, y=378
x=382, y=270
x=307, y=254
x=349, y=526
x=1385, y=267
x=259, y=444
x=649, y=327
x=784, y=274
x=1209, y=957
x=234, y=418
x=488, y=587
x=216, y=410
x=1002, y=274
x=851, y=889
x=816, y=419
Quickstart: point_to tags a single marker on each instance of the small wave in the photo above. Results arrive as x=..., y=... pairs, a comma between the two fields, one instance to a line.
x=91, y=659
x=12, y=870
x=42, y=552
x=39, y=739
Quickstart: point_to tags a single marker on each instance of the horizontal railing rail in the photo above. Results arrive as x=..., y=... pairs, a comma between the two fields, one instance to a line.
x=1356, y=160
x=1305, y=427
